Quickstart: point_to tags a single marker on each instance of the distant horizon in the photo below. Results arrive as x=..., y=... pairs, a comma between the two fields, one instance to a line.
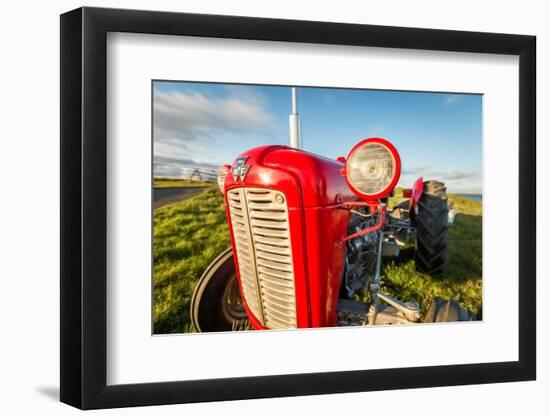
x=398, y=185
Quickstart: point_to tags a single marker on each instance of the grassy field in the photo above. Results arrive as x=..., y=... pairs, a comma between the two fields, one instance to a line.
x=178, y=182
x=463, y=277
x=188, y=235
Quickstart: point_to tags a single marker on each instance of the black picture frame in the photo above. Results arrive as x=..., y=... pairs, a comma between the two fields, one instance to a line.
x=84, y=207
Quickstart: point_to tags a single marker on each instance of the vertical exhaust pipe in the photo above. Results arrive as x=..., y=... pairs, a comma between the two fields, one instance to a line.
x=294, y=122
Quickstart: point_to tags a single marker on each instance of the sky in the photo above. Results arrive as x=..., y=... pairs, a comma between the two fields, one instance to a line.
x=205, y=125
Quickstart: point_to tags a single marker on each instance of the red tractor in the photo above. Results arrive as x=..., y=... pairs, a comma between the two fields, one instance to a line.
x=308, y=235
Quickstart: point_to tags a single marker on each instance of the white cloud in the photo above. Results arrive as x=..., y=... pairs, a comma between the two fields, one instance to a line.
x=166, y=166
x=451, y=99
x=193, y=115
x=414, y=171
x=456, y=180
x=185, y=122
x=462, y=175
x=327, y=99
x=442, y=175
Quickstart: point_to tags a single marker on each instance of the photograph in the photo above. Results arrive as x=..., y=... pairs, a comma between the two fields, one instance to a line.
x=281, y=207
x=287, y=205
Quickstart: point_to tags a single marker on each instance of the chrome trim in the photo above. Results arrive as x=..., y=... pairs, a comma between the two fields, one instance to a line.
x=259, y=219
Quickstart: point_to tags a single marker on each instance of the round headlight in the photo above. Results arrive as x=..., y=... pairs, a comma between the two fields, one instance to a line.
x=222, y=173
x=373, y=168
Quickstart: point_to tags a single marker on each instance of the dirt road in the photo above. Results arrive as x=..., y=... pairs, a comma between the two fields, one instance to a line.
x=163, y=196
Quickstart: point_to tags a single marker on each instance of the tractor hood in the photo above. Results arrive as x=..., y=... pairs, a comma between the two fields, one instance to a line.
x=318, y=180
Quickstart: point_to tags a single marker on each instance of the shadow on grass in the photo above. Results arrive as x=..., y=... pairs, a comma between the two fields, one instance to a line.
x=462, y=279
x=464, y=252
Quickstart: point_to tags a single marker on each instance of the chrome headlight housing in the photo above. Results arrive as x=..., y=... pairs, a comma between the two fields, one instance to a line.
x=373, y=168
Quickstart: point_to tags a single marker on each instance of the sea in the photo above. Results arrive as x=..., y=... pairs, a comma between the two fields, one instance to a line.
x=474, y=197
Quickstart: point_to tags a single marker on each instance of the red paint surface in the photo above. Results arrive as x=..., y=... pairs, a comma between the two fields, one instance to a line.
x=417, y=190
x=316, y=193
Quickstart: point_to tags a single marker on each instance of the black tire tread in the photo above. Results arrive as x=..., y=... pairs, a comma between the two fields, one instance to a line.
x=432, y=229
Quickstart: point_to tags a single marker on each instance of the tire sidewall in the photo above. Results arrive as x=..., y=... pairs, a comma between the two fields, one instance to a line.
x=207, y=304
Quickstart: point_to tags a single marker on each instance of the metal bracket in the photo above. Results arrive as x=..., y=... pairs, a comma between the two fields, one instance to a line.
x=411, y=311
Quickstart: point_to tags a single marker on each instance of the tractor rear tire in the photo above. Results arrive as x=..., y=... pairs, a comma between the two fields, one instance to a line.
x=432, y=222
x=446, y=311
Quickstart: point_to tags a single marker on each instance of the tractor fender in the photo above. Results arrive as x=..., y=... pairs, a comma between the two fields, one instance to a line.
x=417, y=190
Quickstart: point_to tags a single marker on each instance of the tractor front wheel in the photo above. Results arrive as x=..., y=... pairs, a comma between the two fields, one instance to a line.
x=217, y=305
x=432, y=219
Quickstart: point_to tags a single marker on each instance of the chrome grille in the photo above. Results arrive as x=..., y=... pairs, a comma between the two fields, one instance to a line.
x=245, y=251
x=259, y=218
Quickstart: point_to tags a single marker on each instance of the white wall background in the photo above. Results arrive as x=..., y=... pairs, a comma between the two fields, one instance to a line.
x=29, y=210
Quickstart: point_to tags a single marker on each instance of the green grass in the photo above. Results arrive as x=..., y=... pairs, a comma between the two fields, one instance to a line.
x=178, y=182
x=462, y=279
x=187, y=236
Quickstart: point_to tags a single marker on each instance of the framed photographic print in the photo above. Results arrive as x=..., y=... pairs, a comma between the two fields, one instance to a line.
x=259, y=207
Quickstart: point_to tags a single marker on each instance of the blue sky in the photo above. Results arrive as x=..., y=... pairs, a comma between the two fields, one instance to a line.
x=438, y=135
